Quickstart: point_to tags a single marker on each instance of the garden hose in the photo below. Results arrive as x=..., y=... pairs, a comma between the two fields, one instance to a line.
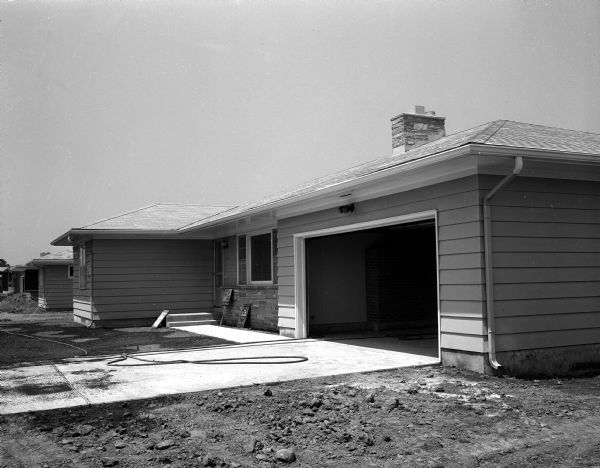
x=150, y=362
x=233, y=360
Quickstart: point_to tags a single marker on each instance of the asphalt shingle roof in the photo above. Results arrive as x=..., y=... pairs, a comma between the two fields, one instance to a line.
x=66, y=254
x=505, y=133
x=159, y=217
x=497, y=133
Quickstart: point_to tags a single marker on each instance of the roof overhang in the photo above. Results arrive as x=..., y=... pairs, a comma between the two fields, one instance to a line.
x=462, y=161
x=57, y=261
x=455, y=163
x=373, y=185
x=77, y=236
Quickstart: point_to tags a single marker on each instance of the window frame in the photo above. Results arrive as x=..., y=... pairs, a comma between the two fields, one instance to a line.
x=70, y=271
x=249, y=236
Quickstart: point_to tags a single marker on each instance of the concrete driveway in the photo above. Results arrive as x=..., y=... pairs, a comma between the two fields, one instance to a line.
x=94, y=380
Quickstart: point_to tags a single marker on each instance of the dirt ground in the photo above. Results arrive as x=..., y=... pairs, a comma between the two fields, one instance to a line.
x=59, y=326
x=428, y=416
x=19, y=303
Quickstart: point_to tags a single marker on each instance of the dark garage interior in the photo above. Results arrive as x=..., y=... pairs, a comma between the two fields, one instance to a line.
x=377, y=281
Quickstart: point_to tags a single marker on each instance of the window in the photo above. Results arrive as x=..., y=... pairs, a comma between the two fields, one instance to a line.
x=255, y=258
x=260, y=257
x=70, y=271
x=82, y=269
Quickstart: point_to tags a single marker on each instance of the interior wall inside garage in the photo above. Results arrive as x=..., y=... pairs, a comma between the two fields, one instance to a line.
x=336, y=280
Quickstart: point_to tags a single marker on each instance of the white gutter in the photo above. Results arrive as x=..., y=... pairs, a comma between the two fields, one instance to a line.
x=532, y=153
x=489, y=274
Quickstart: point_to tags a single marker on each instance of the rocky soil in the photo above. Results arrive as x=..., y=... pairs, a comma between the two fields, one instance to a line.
x=431, y=416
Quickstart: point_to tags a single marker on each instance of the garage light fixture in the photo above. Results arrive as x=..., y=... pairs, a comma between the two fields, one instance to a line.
x=344, y=209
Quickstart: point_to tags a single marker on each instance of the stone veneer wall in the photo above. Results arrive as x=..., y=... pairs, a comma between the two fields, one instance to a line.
x=263, y=313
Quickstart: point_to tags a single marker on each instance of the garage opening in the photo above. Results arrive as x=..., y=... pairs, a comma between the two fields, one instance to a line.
x=374, y=282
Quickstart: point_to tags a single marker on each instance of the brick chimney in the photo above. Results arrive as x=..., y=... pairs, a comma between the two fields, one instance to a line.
x=413, y=129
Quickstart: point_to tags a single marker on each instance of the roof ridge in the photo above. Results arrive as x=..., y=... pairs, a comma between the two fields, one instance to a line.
x=494, y=132
x=119, y=215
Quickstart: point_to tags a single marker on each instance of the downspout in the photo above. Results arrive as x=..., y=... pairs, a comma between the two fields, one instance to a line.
x=489, y=277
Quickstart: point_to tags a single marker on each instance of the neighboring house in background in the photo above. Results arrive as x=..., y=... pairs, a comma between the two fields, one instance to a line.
x=55, y=280
x=25, y=279
x=490, y=238
x=4, y=279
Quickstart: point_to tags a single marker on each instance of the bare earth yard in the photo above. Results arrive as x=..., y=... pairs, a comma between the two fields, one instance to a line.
x=428, y=416
x=59, y=326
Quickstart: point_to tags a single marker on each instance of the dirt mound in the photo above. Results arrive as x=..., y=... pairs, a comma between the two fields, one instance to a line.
x=20, y=303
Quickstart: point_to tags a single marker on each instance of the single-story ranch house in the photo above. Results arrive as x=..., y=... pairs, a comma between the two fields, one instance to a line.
x=55, y=280
x=488, y=238
x=25, y=279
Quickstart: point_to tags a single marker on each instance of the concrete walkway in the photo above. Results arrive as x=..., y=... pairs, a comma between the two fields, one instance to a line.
x=92, y=380
x=237, y=335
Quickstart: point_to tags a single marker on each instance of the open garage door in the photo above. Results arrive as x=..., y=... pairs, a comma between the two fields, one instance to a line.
x=379, y=280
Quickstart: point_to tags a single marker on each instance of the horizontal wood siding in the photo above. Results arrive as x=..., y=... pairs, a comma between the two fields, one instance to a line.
x=230, y=262
x=57, y=288
x=82, y=298
x=460, y=249
x=135, y=279
x=546, y=244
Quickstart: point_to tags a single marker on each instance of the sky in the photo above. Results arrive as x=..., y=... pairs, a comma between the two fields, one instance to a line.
x=110, y=106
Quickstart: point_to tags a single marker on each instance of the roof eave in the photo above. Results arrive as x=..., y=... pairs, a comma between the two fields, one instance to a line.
x=62, y=261
x=64, y=239
x=407, y=166
x=412, y=165
x=549, y=155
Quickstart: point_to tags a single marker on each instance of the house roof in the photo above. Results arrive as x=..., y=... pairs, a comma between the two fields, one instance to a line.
x=504, y=133
x=64, y=257
x=159, y=217
x=496, y=134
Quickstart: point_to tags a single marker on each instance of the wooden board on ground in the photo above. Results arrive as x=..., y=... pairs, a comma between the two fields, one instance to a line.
x=244, y=311
x=226, y=296
x=160, y=319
